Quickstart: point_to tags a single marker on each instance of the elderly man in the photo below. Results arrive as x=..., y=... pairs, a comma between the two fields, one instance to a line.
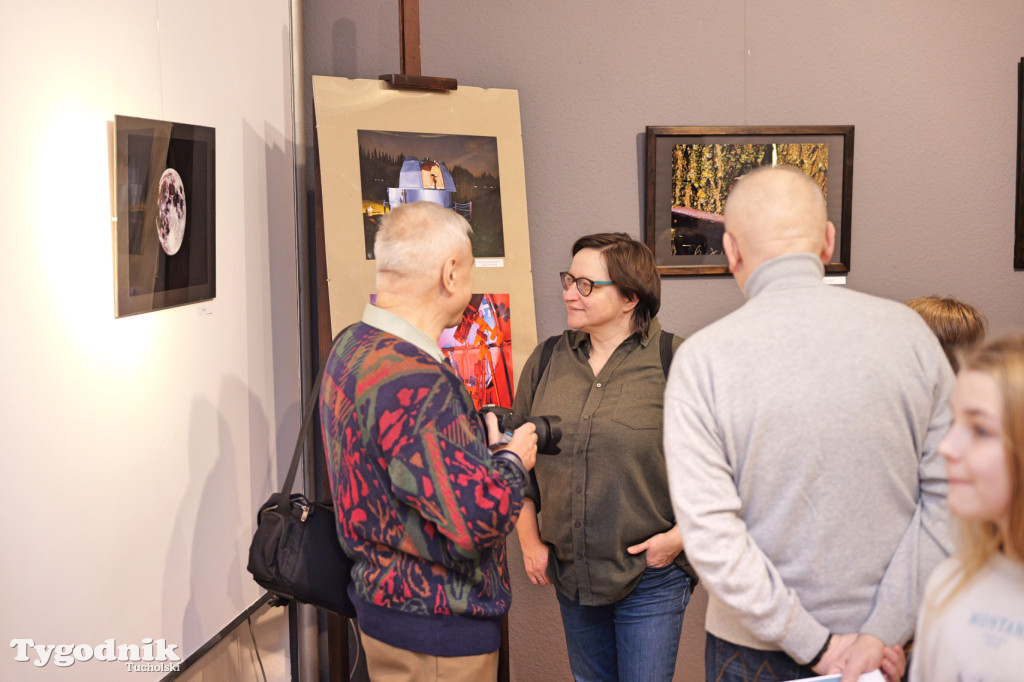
x=423, y=505
x=800, y=439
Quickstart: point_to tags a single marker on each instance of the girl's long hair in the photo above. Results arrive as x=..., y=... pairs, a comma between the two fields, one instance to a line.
x=1003, y=360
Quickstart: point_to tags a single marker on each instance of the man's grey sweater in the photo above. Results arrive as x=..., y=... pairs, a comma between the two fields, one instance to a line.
x=800, y=438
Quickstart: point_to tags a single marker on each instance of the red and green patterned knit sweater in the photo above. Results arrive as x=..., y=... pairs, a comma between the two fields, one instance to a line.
x=422, y=504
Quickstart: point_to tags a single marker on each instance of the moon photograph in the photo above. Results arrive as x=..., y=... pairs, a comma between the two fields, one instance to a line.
x=170, y=215
x=165, y=251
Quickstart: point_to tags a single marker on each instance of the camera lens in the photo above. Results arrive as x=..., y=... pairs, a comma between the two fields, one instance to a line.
x=549, y=428
x=549, y=432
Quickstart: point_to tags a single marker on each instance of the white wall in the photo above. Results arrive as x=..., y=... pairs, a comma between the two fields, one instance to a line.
x=134, y=451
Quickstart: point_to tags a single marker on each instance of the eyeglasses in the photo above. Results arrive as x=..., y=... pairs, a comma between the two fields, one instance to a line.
x=583, y=285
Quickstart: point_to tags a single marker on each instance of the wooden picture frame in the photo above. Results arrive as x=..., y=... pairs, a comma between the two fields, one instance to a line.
x=690, y=171
x=1018, y=240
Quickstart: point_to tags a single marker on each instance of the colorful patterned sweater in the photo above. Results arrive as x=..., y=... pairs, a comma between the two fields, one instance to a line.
x=423, y=506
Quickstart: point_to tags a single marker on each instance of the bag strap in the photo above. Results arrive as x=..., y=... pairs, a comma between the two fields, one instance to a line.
x=666, y=351
x=304, y=431
x=545, y=358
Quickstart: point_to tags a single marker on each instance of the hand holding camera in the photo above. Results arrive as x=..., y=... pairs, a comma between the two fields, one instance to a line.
x=549, y=428
x=522, y=441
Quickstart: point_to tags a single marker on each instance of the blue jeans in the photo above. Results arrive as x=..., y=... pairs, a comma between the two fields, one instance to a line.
x=636, y=638
x=728, y=662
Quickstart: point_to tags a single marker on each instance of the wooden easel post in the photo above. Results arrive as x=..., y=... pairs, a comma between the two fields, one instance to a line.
x=409, y=53
x=409, y=36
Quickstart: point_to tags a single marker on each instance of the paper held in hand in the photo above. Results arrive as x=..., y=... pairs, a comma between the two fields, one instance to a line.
x=873, y=676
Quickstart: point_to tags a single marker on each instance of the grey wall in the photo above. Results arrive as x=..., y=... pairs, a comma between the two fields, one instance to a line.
x=929, y=85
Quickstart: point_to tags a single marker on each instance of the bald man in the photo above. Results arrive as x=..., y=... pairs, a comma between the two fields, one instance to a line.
x=800, y=435
x=423, y=505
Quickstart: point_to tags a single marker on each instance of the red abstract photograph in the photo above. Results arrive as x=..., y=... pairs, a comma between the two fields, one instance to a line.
x=480, y=349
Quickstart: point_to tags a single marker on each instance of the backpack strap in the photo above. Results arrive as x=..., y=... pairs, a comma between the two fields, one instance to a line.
x=545, y=358
x=549, y=347
x=666, y=351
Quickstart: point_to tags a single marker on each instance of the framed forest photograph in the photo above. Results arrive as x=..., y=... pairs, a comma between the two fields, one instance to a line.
x=691, y=170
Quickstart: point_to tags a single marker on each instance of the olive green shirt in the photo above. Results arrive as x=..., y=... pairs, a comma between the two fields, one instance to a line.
x=608, y=489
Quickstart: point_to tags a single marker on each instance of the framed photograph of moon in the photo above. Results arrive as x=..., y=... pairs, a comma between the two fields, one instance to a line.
x=165, y=215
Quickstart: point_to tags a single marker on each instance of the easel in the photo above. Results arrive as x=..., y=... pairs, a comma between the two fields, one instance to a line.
x=409, y=78
x=409, y=53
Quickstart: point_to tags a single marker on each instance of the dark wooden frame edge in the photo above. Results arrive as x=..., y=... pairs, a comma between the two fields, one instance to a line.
x=1018, y=241
x=842, y=265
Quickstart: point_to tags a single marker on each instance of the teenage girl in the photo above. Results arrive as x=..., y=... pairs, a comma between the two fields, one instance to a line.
x=971, y=625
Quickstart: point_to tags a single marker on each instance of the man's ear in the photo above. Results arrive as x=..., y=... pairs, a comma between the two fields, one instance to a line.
x=830, y=243
x=449, y=275
x=732, y=251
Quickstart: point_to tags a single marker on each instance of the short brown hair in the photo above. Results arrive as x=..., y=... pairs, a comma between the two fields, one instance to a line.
x=632, y=267
x=959, y=326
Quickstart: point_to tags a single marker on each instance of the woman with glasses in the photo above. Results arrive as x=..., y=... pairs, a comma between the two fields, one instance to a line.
x=598, y=521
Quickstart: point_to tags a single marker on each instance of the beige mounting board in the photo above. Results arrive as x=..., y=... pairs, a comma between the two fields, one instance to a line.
x=344, y=107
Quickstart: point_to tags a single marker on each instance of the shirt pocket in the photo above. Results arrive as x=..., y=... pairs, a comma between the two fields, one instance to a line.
x=638, y=404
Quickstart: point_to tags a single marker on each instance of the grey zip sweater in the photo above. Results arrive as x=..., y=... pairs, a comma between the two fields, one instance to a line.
x=800, y=436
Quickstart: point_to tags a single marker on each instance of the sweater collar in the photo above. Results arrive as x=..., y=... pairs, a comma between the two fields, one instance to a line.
x=387, y=321
x=793, y=270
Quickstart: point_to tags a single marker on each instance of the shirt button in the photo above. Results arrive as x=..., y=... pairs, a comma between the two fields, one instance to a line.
x=599, y=384
x=579, y=490
x=578, y=524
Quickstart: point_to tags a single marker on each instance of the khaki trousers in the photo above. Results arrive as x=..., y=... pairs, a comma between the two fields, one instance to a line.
x=386, y=663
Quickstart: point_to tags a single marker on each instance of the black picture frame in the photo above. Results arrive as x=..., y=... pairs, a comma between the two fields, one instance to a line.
x=690, y=170
x=165, y=214
x=1018, y=241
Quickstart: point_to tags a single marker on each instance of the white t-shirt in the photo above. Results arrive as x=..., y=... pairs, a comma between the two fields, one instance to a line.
x=979, y=635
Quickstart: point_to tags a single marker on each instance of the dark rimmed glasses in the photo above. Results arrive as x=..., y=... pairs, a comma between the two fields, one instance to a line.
x=583, y=284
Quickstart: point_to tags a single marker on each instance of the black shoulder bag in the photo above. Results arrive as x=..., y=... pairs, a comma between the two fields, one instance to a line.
x=295, y=552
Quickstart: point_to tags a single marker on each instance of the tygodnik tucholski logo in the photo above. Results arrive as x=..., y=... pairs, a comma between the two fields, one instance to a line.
x=150, y=656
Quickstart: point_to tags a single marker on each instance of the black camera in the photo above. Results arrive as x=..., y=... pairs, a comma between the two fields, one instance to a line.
x=549, y=428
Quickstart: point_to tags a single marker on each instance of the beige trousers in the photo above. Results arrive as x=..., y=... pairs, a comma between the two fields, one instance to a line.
x=386, y=663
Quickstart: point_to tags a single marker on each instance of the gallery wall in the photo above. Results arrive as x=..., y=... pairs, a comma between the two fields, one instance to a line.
x=930, y=86
x=134, y=451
